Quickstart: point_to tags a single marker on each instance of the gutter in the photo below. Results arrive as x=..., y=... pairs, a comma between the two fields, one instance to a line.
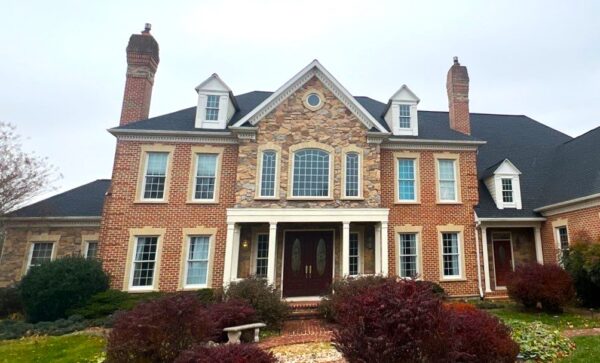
x=116, y=132
x=40, y=219
x=523, y=219
x=567, y=202
x=429, y=141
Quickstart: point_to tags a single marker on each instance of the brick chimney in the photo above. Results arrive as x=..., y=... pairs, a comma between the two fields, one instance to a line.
x=142, y=61
x=457, y=85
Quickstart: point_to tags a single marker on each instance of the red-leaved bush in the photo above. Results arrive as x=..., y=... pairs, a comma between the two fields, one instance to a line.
x=159, y=330
x=392, y=321
x=548, y=285
x=403, y=321
x=473, y=335
x=228, y=353
x=231, y=313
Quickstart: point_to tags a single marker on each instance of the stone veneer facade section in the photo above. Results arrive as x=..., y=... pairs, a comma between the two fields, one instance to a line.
x=17, y=240
x=290, y=124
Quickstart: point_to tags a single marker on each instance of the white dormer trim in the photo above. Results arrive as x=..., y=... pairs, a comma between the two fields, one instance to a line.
x=505, y=170
x=214, y=86
x=404, y=96
x=314, y=69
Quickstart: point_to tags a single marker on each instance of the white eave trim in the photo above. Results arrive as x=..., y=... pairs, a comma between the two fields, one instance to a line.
x=313, y=69
x=523, y=219
x=36, y=219
x=116, y=132
x=283, y=215
x=567, y=202
x=430, y=141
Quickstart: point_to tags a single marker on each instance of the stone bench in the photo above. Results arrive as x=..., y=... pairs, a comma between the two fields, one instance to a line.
x=234, y=332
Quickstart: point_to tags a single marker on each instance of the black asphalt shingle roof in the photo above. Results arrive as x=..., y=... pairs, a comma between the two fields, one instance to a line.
x=84, y=201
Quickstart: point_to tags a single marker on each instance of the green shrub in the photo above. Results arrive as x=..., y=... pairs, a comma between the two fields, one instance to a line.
x=582, y=261
x=10, y=301
x=539, y=342
x=264, y=298
x=52, y=288
x=15, y=329
x=107, y=302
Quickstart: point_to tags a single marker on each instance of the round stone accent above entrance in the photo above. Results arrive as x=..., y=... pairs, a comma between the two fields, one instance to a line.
x=313, y=100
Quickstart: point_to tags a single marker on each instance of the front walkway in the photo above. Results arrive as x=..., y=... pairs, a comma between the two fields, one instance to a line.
x=299, y=332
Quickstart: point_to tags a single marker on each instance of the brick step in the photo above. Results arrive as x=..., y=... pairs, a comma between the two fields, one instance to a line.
x=304, y=314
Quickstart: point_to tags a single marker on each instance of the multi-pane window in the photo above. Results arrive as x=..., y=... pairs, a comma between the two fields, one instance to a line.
x=267, y=178
x=450, y=254
x=404, y=121
x=156, y=174
x=352, y=167
x=91, y=249
x=206, y=174
x=447, y=180
x=354, y=254
x=40, y=252
x=197, y=261
x=144, y=261
x=507, y=190
x=311, y=173
x=563, y=238
x=406, y=179
x=262, y=254
x=212, y=108
x=408, y=255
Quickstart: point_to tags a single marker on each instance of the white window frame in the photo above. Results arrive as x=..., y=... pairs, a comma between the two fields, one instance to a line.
x=293, y=174
x=414, y=180
x=187, y=261
x=417, y=255
x=260, y=173
x=87, y=247
x=216, y=177
x=255, y=258
x=512, y=192
x=359, y=252
x=559, y=248
x=145, y=175
x=460, y=253
x=218, y=108
x=359, y=176
x=133, y=262
x=32, y=246
x=400, y=116
x=455, y=180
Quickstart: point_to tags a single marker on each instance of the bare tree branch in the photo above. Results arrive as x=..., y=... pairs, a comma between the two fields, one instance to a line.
x=23, y=176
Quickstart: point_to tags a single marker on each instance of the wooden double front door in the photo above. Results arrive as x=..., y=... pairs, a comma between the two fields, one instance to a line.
x=307, y=262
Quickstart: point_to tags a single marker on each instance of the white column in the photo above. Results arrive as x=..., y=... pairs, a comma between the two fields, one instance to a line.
x=346, y=249
x=539, y=255
x=228, y=254
x=384, y=249
x=377, y=249
x=235, y=256
x=272, y=253
x=486, y=260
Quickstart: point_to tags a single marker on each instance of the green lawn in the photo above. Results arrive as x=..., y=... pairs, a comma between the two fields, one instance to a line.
x=63, y=349
x=566, y=320
x=588, y=350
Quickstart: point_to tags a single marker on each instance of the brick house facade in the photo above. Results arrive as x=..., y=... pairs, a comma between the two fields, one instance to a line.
x=309, y=183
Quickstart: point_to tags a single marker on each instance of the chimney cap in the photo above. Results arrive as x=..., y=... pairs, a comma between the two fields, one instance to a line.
x=147, y=28
x=455, y=59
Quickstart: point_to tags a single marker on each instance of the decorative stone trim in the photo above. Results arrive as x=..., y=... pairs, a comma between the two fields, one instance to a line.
x=417, y=158
x=259, y=157
x=360, y=152
x=143, y=232
x=319, y=94
x=179, y=139
x=457, y=177
x=145, y=149
x=193, y=169
x=39, y=237
x=409, y=228
x=460, y=230
x=310, y=145
x=426, y=146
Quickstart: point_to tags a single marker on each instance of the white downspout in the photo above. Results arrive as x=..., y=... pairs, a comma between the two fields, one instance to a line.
x=477, y=224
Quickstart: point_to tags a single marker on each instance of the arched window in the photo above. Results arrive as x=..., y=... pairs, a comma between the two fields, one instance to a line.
x=311, y=173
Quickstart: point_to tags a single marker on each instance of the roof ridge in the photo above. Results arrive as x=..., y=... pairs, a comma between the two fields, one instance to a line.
x=582, y=135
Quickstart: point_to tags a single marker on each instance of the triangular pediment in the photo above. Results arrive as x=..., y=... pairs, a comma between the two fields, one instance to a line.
x=314, y=69
x=506, y=167
x=214, y=83
x=404, y=94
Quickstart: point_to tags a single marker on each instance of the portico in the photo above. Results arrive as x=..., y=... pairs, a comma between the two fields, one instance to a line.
x=351, y=241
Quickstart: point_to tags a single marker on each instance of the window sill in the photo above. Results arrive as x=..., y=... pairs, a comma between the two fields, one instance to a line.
x=408, y=202
x=134, y=290
x=352, y=198
x=310, y=198
x=151, y=202
x=449, y=202
x=193, y=288
x=266, y=198
x=202, y=202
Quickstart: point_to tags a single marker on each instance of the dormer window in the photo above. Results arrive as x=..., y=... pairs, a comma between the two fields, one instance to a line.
x=503, y=182
x=404, y=119
x=401, y=114
x=507, y=190
x=212, y=108
x=216, y=104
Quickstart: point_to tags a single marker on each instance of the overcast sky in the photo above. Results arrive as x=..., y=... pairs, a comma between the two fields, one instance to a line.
x=62, y=63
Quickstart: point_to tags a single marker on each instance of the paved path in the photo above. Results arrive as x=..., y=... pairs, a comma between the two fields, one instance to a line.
x=300, y=331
